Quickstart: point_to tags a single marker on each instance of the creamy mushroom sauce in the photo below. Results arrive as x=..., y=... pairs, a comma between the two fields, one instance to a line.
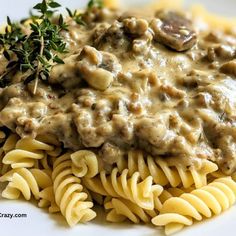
x=135, y=80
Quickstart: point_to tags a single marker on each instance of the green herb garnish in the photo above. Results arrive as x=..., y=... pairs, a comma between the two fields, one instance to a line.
x=95, y=3
x=38, y=52
x=77, y=17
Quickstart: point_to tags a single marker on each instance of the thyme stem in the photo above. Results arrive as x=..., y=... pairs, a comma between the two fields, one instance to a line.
x=39, y=65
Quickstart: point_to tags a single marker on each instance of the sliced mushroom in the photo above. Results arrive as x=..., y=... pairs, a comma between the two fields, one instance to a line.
x=174, y=30
x=98, y=68
x=229, y=68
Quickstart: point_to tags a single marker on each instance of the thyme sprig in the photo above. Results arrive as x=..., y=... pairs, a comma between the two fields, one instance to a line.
x=37, y=52
x=77, y=17
x=95, y=3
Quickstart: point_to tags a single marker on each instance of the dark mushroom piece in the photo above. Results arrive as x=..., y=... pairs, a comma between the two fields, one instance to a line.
x=229, y=68
x=174, y=30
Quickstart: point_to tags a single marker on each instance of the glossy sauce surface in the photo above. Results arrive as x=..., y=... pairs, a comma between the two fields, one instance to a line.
x=135, y=80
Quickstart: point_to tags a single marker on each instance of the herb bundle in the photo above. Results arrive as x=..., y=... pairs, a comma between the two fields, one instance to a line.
x=34, y=54
x=37, y=52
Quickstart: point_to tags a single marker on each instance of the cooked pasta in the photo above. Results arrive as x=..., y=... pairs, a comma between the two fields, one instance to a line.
x=30, y=144
x=21, y=181
x=26, y=152
x=47, y=200
x=169, y=170
x=121, y=209
x=10, y=143
x=69, y=193
x=84, y=164
x=21, y=158
x=132, y=188
x=211, y=199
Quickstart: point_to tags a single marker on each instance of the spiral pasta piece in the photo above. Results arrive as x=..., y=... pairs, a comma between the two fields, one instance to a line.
x=30, y=144
x=46, y=163
x=169, y=193
x=168, y=170
x=21, y=181
x=26, y=152
x=47, y=199
x=69, y=195
x=3, y=168
x=214, y=198
x=10, y=143
x=84, y=163
x=42, y=177
x=130, y=188
x=122, y=209
x=20, y=158
x=52, y=141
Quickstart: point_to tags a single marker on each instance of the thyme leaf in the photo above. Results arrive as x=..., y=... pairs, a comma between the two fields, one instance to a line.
x=77, y=17
x=95, y=3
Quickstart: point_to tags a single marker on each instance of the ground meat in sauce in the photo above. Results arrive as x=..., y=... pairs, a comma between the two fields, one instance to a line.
x=132, y=81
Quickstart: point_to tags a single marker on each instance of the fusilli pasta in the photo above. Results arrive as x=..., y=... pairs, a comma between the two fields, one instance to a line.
x=69, y=193
x=211, y=199
x=47, y=199
x=131, y=188
x=26, y=152
x=168, y=170
x=21, y=181
x=84, y=163
x=8, y=145
x=122, y=209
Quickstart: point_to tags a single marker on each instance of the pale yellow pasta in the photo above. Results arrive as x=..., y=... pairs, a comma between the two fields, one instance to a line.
x=45, y=163
x=169, y=193
x=122, y=209
x=46, y=195
x=30, y=144
x=84, y=164
x=20, y=158
x=214, y=198
x=27, y=151
x=69, y=195
x=10, y=142
x=8, y=145
x=140, y=192
x=47, y=200
x=3, y=168
x=21, y=181
x=43, y=177
x=168, y=170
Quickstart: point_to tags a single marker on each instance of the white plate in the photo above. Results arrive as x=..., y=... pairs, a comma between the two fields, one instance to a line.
x=39, y=222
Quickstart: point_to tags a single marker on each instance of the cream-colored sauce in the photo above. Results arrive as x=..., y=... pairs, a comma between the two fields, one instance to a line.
x=120, y=87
